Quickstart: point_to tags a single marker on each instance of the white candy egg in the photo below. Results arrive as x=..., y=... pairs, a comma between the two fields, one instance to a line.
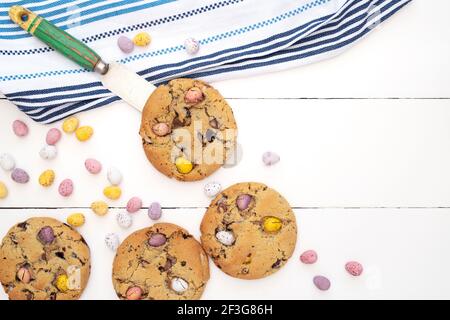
x=7, y=162
x=124, y=220
x=179, y=285
x=114, y=176
x=48, y=152
x=225, y=237
x=192, y=46
x=112, y=241
x=212, y=189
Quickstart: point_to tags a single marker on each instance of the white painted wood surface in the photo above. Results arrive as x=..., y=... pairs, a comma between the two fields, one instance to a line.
x=368, y=176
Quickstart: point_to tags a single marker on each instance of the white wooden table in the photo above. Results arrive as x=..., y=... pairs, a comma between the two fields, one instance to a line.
x=365, y=146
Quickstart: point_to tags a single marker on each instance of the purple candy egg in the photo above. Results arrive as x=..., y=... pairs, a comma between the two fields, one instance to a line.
x=20, y=176
x=125, y=44
x=154, y=211
x=243, y=201
x=157, y=240
x=322, y=283
x=46, y=235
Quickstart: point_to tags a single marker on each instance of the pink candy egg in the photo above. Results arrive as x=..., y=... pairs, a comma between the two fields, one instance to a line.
x=66, y=188
x=354, y=268
x=53, y=136
x=134, y=205
x=93, y=166
x=20, y=128
x=308, y=257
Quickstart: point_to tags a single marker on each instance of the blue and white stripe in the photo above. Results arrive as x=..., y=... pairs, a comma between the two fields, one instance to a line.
x=302, y=41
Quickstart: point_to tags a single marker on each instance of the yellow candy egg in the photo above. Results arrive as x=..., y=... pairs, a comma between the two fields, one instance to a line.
x=100, y=207
x=112, y=192
x=84, y=133
x=3, y=190
x=142, y=39
x=183, y=165
x=272, y=224
x=47, y=178
x=62, y=283
x=70, y=125
x=76, y=220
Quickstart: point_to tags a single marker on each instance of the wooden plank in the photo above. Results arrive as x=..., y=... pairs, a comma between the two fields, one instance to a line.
x=334, y=153
x=398, y=248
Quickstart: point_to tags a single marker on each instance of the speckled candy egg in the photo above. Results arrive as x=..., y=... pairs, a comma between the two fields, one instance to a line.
x=154, y=211
x=70, y=125
x=125, y=44
x=48, y=152
x=308, y=257
x=134, y=205
x=212, y=189
x=84, y=133
x=322, y=283
x=47, y=178
x=112, y=241
x=100, y=208
x=114, y=176
x=270, y=158
x=7, y=162
x=20, y=176
x=225, y=237
x=93, y=166
x=20, y=128
x=354, y=268
x=53, y=136
x=76, y=220
x=179, y=285
x=142, y=39
x=112, y=192
x=3, y=190
x=66, y=188
x=192, y=46
x=124, y=220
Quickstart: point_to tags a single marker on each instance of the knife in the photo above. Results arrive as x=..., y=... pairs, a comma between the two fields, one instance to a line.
x=120, y=80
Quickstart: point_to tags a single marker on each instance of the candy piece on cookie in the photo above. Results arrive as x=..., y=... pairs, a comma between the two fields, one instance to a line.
x=171, y=265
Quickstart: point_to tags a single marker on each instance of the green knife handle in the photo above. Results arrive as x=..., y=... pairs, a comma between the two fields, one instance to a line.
x=56, y=38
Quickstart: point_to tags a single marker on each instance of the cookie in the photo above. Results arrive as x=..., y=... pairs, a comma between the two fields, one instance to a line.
x=163, y=262
x=188, y=129
x=249, y=231
x=44, y=259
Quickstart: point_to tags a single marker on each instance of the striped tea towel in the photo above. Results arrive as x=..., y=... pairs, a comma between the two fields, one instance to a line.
x=237, y=37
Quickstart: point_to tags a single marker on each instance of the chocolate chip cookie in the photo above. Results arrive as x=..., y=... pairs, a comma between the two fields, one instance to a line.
x=44, y=259
x=163, y=262
x=188, y=129
x=249, y=231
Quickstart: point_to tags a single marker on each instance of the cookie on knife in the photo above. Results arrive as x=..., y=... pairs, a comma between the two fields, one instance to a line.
x=44, y=259
x=163, y=262
x=249, y=231
x=188, y=130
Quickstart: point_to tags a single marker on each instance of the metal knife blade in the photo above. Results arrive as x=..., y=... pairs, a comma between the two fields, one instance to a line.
x=128, y=85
